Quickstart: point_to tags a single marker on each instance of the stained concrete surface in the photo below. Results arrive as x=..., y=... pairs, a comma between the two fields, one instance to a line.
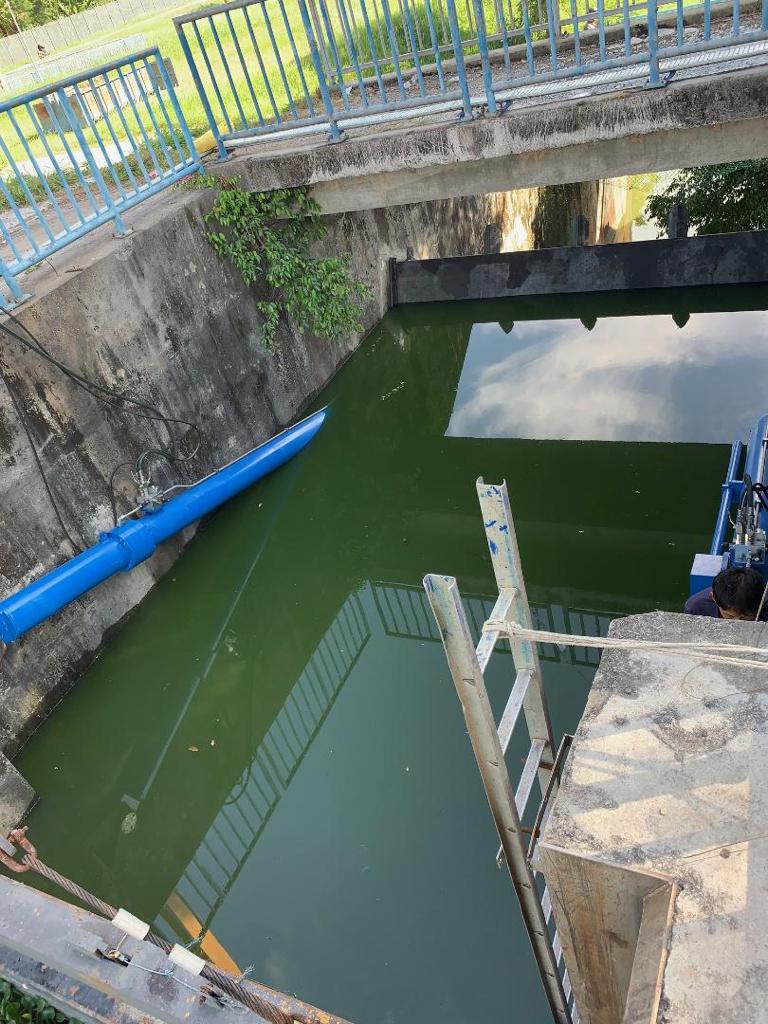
x=655, y=852
x=48, y=948
x=718, y=260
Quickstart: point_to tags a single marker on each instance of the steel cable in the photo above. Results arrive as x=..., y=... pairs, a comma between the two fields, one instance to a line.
x=248, y=996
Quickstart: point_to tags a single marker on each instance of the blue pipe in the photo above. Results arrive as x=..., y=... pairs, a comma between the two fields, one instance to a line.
x=124, y=547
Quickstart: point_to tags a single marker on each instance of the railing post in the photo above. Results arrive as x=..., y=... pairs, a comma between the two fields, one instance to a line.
x=482, y=42
x=17, y=293
x=185, y=49
x=458, y=53
x=654, y=77
x=176, y=106
x=317, y=63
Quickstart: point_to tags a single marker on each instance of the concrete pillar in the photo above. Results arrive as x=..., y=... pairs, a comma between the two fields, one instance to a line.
x=677, y=221
x=492, y=239
x=655, y=853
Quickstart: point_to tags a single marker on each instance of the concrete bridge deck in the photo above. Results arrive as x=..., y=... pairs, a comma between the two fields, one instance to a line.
x=594, y=130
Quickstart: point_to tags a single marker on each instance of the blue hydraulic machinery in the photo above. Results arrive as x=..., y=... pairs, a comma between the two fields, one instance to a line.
x=743, y=509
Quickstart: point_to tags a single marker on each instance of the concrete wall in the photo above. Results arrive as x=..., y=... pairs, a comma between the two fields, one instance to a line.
x=708, y=260
x=161, y=317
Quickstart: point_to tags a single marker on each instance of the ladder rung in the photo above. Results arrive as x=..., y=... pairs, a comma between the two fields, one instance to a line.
x=490, y=637
x=557, y=949
x=566, y=985
x=528, y=777
x=546, y=905
x=512, y=710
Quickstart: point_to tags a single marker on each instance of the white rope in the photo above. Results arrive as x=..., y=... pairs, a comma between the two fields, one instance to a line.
x=701, y=650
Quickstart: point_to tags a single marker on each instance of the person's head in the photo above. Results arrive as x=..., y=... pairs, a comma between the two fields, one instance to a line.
x=738, y=593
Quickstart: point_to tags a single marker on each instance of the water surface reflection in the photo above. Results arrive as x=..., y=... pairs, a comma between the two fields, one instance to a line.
x=694, y=378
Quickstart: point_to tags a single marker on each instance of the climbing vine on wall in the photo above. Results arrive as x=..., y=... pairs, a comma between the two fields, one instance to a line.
x=17, y=1008
x=268, y=237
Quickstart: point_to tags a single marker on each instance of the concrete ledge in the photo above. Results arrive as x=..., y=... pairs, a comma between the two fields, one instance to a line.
x=17, y=796
x=702, y=121
x=731, y=259
x=78, y=1001
x=49, y=947
x=655, y=851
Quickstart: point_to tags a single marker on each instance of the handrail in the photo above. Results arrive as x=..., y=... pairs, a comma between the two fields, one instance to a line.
x=366, y=58
x=66, y=83
x=81, y=151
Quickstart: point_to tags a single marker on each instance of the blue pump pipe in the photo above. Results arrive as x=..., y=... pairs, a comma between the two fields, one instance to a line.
x=124, y=547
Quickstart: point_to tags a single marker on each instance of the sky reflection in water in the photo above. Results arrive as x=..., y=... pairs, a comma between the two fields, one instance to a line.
x=628, y=379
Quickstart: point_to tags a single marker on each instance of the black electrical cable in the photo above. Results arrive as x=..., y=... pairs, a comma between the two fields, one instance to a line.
x=111, y=397
x=101, y=391
x=158, y=452
x=23, y=421
x=760, y=492
x=746, y=494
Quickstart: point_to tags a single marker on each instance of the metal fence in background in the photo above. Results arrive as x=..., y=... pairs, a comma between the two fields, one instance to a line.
x=80, y=152
x=404, y=612
x=75, y=28
x=42, y=72
x=299, y=66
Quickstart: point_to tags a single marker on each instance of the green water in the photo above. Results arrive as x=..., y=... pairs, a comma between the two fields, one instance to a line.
x=273, y=742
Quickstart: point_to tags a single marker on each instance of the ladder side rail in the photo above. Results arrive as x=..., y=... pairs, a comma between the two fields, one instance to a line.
x=445, y=601
x=507, y=567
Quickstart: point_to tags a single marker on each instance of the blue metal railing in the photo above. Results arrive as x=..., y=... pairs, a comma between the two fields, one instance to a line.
x=263, y=67
x=79, y=152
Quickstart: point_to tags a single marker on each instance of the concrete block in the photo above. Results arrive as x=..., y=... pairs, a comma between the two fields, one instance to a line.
x=655, y=852
x=16, y=796
x=737, y=258
x=707, y=120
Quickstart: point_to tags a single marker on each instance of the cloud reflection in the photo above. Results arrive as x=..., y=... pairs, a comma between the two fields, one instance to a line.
x=625, y=379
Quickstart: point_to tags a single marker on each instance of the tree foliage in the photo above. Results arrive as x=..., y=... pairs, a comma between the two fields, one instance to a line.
x=268, y=237
x=718, y=198
x=17, y=1008
x=31, y=13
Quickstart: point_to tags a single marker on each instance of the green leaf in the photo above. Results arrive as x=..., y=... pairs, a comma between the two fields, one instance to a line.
x=267, y=236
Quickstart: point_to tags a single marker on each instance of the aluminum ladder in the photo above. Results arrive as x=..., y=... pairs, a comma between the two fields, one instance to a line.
x=490, y=742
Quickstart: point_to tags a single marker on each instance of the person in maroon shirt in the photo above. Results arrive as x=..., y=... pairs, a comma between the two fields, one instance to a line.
x=735, y=594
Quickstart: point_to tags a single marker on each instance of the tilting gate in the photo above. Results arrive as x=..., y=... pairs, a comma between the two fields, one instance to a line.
x=510, y=804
